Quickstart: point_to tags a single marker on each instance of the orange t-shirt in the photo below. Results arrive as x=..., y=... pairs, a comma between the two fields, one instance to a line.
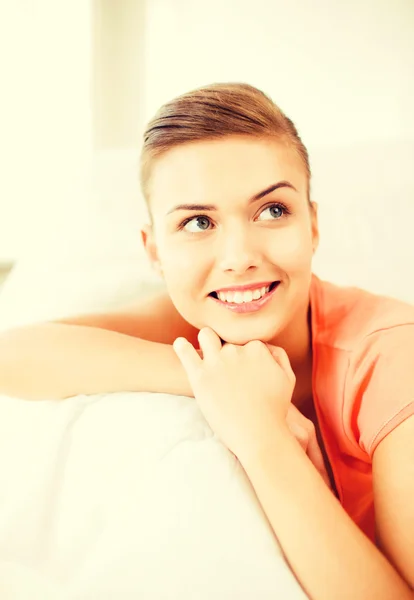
x=363, y=383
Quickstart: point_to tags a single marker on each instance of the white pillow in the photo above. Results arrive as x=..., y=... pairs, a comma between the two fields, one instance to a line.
x=130, y=495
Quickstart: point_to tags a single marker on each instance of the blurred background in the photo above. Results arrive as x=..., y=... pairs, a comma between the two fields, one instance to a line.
x=81, y=78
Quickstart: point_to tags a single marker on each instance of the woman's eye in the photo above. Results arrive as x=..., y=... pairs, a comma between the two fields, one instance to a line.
x=203, y=223
x=276, y=211
x=196, y=224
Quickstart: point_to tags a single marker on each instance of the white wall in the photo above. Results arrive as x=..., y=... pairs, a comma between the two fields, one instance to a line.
x=343, y=71
x=71, y=75
x=45, y=113
x=118, y=66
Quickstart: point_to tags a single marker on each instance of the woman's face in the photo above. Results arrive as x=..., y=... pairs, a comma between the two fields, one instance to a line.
x=243, y=232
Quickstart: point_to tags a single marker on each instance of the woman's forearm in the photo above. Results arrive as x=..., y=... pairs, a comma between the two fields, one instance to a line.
x=328, y=553
x=52, y=361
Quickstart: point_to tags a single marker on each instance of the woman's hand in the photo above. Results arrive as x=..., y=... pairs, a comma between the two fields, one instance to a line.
x=217, y=383
x=244, y=392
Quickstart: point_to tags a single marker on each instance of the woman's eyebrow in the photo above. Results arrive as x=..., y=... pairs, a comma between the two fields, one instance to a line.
x=211, y=207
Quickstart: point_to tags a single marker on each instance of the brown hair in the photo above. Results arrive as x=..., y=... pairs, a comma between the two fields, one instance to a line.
x=212, y=112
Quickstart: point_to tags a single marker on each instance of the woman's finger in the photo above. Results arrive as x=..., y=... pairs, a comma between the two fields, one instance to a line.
x=315, y=455
x=187, y=354
x=210, y=343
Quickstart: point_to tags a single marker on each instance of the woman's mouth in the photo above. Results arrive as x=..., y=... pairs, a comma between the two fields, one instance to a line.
x=246, y=301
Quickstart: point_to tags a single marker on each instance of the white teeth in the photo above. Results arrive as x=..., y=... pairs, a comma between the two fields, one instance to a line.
x=242, y=297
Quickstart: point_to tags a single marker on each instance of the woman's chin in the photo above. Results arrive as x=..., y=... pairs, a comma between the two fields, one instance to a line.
x=240, y=339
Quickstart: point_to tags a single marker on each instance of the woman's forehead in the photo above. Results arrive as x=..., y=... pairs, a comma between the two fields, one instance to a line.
x=214, y=169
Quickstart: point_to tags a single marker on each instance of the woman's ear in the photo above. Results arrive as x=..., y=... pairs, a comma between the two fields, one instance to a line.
x=314, y=225
x=147, y=236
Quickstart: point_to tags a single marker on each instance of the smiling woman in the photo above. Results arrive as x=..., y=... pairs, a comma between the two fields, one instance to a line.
x=310, y=385
x=233, y=231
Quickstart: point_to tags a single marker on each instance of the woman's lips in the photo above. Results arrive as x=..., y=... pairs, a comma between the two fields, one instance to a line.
x=248, y=307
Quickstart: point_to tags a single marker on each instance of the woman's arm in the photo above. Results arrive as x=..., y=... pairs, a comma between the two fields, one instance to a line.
x=96, y=353
x=244, y=393
x=52, y=361
x=393, y=474
x=329, y=554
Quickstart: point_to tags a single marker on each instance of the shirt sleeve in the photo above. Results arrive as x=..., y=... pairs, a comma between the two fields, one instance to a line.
x=382, y=383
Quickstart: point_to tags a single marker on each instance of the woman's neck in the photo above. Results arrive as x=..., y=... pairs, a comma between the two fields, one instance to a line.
x=297, y=342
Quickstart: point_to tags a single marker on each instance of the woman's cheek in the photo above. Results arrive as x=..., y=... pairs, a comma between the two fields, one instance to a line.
x=184, y=275
x=293, y=250
x=188, y=258
x=174, y=257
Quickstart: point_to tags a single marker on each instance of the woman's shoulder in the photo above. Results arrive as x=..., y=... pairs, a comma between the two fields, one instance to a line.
x=364, y=352
x=345, y=316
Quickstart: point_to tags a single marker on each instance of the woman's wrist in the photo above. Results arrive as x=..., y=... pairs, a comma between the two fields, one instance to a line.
x=276, y=438
x=169, y=374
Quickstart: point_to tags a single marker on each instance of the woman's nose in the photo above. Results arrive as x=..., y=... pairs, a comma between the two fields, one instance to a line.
x=238, y=252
